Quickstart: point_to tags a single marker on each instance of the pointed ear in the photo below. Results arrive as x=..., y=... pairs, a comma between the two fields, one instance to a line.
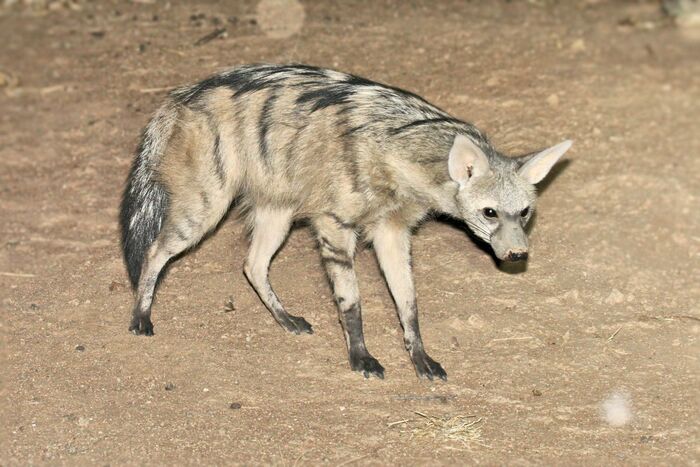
x=466, y=160
x=536, y=166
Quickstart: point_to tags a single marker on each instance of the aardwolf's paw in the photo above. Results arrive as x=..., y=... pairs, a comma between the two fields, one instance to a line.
x=428, y=368
x=367, y=365
x=141, y=326
x=296, y=324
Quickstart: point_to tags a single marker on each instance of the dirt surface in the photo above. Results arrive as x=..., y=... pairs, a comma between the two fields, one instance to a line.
x=609, y=302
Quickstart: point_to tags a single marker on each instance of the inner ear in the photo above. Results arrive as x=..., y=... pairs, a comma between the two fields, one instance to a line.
x=466, y=160
x=534, y=167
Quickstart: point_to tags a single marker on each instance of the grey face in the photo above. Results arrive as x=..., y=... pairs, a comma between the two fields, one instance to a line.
x=497, y=207
x=496, y=196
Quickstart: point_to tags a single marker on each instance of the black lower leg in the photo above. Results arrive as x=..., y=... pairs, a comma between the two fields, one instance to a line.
x=360, y=358
x=425, y=366
x=141, y=325
x=141, y=318
x=293, y=324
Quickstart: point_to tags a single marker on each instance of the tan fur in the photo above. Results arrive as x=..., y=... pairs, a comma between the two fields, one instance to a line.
x=353, y=157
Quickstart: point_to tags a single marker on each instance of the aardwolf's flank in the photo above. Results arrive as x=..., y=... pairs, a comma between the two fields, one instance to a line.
x=353, y=157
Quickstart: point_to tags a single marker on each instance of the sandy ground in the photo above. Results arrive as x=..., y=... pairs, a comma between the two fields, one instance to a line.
x=609, y=302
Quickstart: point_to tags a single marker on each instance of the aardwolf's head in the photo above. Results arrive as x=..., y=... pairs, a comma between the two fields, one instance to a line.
x=496, y=196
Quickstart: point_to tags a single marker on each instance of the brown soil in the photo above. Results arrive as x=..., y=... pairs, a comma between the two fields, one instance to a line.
x=609, y=301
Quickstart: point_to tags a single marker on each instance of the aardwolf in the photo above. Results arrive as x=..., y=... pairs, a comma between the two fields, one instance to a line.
x=355, y=158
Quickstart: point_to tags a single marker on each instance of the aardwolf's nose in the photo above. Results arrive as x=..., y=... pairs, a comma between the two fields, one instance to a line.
x=517, y=256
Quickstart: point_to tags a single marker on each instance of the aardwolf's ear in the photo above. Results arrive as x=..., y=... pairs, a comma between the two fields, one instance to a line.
x=466, y=160
x=536, y=166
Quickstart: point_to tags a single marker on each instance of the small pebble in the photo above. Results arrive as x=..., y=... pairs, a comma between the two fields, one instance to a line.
x=615, y=297
x=536, y=392
x=553, y=100
x=235, y=405
x=579, y=45
x=169, y=386
x=80, y=348
x=115, y=286
x=33, y=306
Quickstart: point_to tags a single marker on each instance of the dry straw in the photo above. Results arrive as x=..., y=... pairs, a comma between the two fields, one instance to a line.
x=465, y=429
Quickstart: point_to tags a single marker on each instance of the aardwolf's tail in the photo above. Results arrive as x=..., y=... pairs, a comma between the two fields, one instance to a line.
x=145, y=200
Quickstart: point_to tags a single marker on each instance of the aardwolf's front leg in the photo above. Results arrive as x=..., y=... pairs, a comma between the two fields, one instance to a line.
x=393, y=248
x=337, y=244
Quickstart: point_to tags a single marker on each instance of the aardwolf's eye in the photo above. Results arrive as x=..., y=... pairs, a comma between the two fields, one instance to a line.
x=524, y=212
x=489, y=212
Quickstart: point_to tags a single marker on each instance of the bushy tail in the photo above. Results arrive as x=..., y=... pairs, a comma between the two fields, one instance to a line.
x=145, y=200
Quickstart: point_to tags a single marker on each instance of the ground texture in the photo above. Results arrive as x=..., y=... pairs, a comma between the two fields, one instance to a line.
x=609, y=302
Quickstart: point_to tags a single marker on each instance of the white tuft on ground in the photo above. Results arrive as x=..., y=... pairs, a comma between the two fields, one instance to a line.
x=616, y=409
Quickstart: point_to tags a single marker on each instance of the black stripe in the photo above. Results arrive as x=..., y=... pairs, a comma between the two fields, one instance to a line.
x=352, y=163
x=427, y=121
x=180, y=234
x=241, y=81
x=309, y=83
x=360, y=81
x=344, y=110
x=328, y=246
x=190, y=94
x=342, y=223
x=264, y=126
x=258, y=84
x=205, y=199
x=298, y=69
x=329, y=261
x=219, y=160
x=350, y=131
x=351, y=156
x=388, y=89
x=348, y=141
x=362, y=127
x=326, y=96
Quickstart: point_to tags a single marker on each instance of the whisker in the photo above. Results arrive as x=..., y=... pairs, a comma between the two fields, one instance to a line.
x=480, y=230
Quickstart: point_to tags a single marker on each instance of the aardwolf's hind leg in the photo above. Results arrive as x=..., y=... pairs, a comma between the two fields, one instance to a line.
x=270, y=228
x=190, y=217
x=163, y=249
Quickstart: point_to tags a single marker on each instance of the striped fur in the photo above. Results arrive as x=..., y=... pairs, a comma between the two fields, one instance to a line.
x=357, y=159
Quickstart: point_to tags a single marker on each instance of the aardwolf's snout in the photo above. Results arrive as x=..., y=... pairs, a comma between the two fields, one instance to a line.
x=517, y=256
